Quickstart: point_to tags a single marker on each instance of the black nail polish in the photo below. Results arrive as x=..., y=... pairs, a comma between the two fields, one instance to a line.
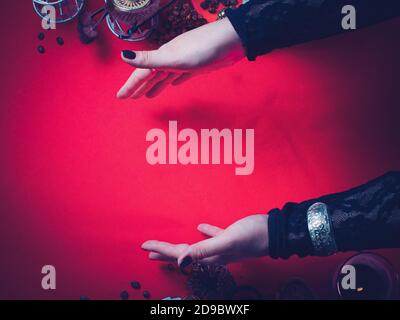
x=185, y=263
x=129, y=54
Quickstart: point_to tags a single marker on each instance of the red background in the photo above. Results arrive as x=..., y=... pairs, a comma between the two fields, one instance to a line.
x=76, y=190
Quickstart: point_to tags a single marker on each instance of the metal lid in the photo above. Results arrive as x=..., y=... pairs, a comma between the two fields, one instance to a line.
x=130, y=5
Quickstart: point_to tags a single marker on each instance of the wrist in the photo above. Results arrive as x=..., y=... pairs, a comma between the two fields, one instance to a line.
x=228, y=39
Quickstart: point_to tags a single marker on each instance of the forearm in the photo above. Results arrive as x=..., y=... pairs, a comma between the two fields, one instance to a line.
x=265, y=25
x=366, y=217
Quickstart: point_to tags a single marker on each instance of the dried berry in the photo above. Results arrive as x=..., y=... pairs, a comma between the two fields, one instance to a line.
x=204, y=5
x=177, y=19
x=41, y=36
x=146, y=294
x=170, y=267
x=135, y=285
x=41, y=49
x=60, y=41
x=212, y=5
x=124, y=295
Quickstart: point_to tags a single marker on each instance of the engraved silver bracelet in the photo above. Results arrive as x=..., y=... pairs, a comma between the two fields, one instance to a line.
x=320, y=229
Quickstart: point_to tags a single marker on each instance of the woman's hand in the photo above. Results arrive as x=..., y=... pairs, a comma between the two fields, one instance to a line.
x=246, y=238
x=206, y=48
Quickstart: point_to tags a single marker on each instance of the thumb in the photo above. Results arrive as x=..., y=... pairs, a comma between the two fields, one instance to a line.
x=153, y=59
x=205, y=249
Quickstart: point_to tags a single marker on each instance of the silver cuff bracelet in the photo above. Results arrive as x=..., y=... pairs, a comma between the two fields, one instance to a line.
x=320, y=229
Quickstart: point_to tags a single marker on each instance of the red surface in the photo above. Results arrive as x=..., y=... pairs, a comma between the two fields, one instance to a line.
x=76, y=190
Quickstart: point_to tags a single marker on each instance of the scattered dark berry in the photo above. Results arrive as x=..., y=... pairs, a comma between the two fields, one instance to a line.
x=146, y=294
x=135, y=285
x=41, y=49
x=124, y=295
x=60, y=41
x=41, y=36
x=204, y=5
x=170, y=267
x=212, y=10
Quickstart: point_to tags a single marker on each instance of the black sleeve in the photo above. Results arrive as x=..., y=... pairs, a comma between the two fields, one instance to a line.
x=363, y=218
x=264, y=25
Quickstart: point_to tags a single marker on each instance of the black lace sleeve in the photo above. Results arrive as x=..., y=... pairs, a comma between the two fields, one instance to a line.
x=366, y=217
x=264, y=25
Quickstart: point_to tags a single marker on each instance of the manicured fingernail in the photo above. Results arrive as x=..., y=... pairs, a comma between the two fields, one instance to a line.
x=129, y=54
x=187, y=261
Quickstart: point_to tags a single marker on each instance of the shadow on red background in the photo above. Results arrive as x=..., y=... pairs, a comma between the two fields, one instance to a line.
x=76, y=190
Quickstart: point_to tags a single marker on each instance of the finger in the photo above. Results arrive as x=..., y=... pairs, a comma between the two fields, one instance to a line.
x=164, y=248
x=205, y=249
x=160, y=257
x=154, y=59
x=161, y=85
x=147, y=85
x=209, y=230
x=182, y=78
x=137, y=78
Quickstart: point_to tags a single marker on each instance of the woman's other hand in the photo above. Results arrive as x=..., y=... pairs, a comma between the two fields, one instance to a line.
x=203, y=49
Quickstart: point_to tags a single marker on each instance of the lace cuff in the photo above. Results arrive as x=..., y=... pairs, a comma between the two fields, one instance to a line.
x=264, y=25
x=366, y=217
